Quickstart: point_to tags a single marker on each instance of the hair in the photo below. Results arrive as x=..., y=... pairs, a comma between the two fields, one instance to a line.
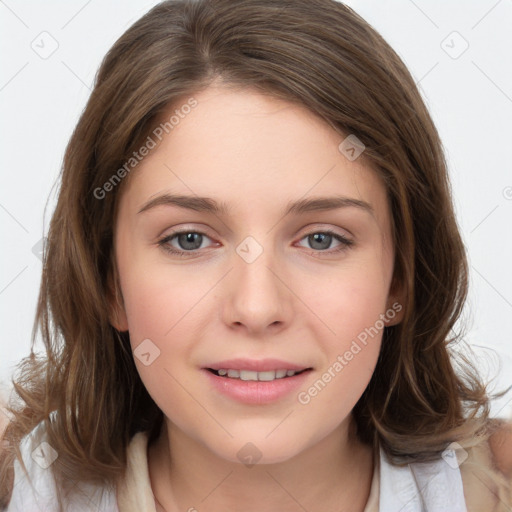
x=318, y=54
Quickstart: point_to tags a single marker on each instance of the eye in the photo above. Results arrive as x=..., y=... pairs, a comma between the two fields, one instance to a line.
x=187, y=242
x=183, y=242
x=322, y=241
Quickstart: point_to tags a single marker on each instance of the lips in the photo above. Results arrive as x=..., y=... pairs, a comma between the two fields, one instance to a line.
x=256, y=365
x=256, y=392
x=256, y=381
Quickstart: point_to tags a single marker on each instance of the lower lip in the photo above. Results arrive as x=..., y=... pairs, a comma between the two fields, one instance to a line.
x=256, y=392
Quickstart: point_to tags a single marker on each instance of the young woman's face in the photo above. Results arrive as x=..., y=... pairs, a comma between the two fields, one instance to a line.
x=285, y=253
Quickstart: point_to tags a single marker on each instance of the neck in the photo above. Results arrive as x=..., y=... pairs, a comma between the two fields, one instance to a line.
x=333, y=474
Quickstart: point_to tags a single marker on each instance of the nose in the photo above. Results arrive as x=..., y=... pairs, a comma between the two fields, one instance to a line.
x=257, y=298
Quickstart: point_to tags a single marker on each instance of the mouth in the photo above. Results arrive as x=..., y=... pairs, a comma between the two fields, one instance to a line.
x=250, y=375
x=261, y=386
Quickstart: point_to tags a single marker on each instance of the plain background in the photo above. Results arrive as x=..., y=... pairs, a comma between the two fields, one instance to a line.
x=459, y=52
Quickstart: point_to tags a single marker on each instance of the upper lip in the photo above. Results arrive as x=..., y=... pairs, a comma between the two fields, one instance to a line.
x=256, y=365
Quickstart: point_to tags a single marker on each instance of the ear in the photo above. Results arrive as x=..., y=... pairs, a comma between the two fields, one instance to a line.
x=117, y=314
x=395, y=304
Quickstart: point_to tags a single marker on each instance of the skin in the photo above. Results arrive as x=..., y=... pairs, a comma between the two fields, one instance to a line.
x=501, y=446
x=296, y=302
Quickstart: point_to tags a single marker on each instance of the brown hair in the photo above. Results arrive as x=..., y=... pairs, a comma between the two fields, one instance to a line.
x=316, y=53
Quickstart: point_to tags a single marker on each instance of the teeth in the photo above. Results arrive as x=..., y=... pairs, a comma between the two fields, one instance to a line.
x=270, y=375
x=255, y=376
x=247, y=375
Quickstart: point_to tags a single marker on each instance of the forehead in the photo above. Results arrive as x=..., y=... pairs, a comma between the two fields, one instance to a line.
x=253, y=150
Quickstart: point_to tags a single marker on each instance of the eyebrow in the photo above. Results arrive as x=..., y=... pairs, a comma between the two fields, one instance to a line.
x=208, y=205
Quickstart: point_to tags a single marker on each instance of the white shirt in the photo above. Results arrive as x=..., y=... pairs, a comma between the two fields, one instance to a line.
x=417, y=487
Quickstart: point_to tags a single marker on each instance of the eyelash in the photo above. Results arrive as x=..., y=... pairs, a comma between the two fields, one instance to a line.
x=345, y=243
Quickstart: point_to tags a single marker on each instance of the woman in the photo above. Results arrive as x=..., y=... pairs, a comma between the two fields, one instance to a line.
x=250, y=282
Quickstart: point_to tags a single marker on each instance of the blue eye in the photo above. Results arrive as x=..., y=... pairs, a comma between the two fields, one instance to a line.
x=322, y=240
x=188, y=242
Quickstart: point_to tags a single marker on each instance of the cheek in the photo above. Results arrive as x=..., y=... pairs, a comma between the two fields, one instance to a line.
x=347, y=300
x=163, y=319
x=348, y=307
x=166, y=306
x=157, y=297
x=350, y=351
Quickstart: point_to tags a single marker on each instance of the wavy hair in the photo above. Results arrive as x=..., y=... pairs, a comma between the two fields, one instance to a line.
x=316, y=53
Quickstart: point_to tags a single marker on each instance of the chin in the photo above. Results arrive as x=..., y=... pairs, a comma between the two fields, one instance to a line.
x=250, y=450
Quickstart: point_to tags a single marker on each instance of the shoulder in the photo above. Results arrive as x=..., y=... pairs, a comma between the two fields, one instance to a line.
x=486, y=469
x=34, y=486
x=500, y=444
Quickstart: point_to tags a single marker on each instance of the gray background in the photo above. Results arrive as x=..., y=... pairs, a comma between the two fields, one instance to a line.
x=460, y=53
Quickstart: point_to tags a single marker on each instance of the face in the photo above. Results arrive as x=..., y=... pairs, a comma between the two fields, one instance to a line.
x=294, y=264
